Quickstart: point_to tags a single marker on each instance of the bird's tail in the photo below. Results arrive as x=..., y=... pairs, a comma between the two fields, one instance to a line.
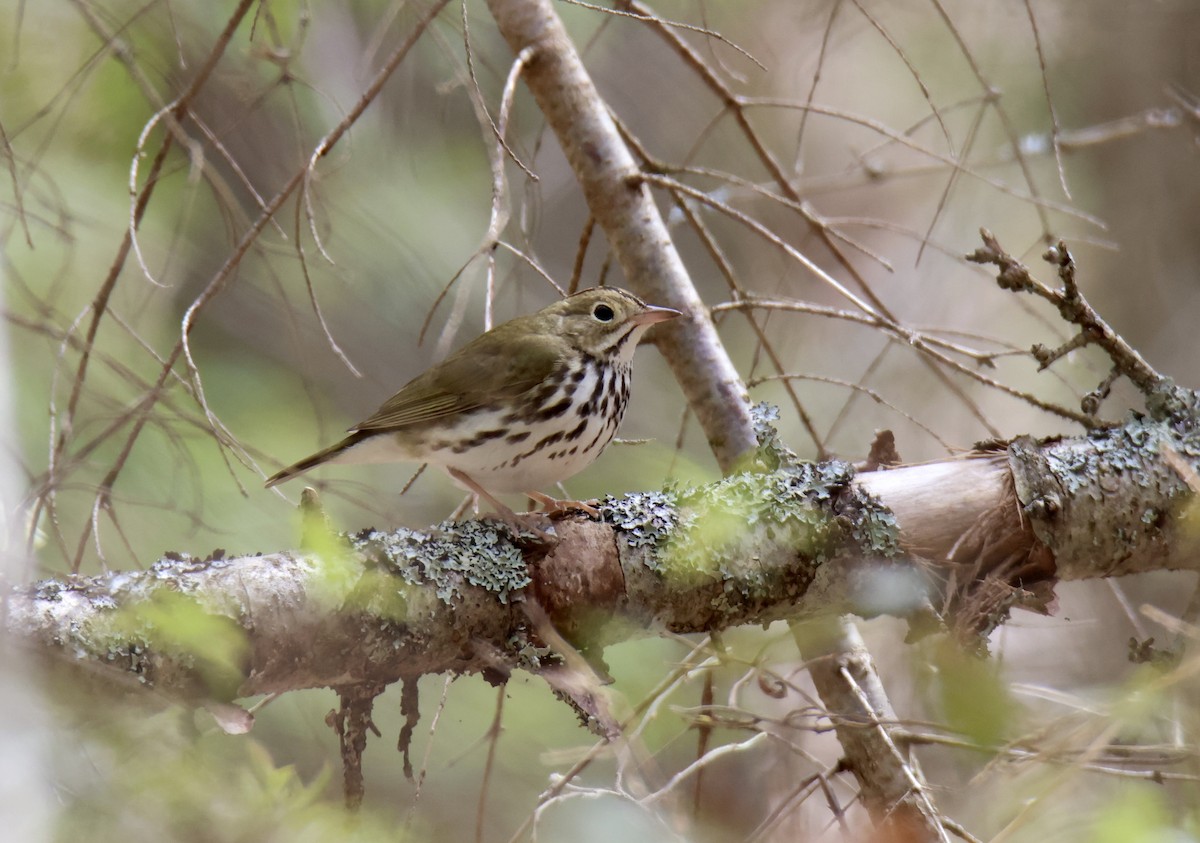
x=323, y=456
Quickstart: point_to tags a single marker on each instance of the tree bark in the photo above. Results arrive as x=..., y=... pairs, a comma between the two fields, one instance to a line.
x=803, y=541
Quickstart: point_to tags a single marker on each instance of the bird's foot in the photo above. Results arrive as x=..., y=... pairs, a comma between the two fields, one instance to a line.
x=556, y=508
x=521, y=525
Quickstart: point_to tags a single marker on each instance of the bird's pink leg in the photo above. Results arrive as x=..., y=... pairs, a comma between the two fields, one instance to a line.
x=554, y=506
x=506, y=514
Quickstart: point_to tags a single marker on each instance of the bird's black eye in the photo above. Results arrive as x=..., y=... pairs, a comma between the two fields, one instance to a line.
x=603, y=313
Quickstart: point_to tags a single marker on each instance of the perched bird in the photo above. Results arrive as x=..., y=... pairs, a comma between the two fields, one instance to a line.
x=524, y=406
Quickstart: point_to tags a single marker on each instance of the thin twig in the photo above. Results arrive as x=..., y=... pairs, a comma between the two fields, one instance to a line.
x=1073, y=307
x=223, y=275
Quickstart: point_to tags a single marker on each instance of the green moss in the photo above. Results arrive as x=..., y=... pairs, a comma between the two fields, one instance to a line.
x=762, y=531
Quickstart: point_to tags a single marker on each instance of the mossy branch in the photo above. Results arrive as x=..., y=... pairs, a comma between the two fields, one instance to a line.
x=780, y=539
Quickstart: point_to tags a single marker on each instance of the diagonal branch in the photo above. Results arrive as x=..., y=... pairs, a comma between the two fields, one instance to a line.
x=624, y=208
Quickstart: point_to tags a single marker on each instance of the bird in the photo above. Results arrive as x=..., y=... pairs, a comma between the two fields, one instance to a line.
x=521, y=407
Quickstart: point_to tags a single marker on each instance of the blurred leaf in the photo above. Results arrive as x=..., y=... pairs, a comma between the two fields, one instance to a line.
x=338, y=568
x=149, y=780
x=177, y=625
x=231, y=719
x=974, y=697
x=1135, y=816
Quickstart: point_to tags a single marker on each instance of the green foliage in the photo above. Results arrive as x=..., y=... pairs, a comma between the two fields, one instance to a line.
x=974, y=695
x=337, y=568
x=177, y=626
x=150, y=781
x=1138, y=815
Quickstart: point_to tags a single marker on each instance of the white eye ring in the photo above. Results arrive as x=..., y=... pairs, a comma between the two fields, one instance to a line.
x=603, y=313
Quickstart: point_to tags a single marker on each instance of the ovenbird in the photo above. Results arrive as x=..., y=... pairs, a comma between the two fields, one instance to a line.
x=526, y=405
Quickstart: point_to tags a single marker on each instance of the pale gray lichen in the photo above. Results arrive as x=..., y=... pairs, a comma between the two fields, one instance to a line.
x=47, y=590
x=645, y=519
x=1169, y=402
x=771, y=453
x=449, y=556
x=530, y=656
x=1108, y=495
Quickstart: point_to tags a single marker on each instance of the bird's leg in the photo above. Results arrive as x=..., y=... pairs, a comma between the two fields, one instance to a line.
x=555, y=506
x=506, y=514
x=501, y=510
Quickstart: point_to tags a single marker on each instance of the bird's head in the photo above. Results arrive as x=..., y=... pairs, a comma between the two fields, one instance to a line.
x=604, y=321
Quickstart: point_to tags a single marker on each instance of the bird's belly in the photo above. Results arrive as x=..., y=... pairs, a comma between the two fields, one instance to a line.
x=504, y=456
x=531, y=458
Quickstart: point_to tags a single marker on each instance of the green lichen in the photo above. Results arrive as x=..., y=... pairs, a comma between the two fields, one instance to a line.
x=762, y=531
x=789, y=508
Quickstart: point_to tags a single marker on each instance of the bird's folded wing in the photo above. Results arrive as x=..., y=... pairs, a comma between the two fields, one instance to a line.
x=483, y=372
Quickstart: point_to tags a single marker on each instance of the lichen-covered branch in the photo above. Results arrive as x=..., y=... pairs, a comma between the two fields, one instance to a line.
x=785, y=540
x=377, y=606
x=1113, y=502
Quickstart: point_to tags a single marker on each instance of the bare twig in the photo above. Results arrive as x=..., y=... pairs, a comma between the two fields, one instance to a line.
x=493, y=740
x=1073, y=308
x=920, y=342
x=217, y=283
x=1055, y=128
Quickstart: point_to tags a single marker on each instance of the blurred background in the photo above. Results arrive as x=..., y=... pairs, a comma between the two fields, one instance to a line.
x=304, y=329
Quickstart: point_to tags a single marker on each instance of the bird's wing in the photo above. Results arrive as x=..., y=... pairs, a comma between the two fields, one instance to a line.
x=495, y=366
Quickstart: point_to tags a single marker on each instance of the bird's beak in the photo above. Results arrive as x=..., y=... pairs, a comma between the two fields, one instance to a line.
x=653, y=314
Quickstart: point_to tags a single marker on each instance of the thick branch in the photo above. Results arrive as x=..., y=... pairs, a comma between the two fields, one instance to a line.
x=385, y=606
x=794, y=542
